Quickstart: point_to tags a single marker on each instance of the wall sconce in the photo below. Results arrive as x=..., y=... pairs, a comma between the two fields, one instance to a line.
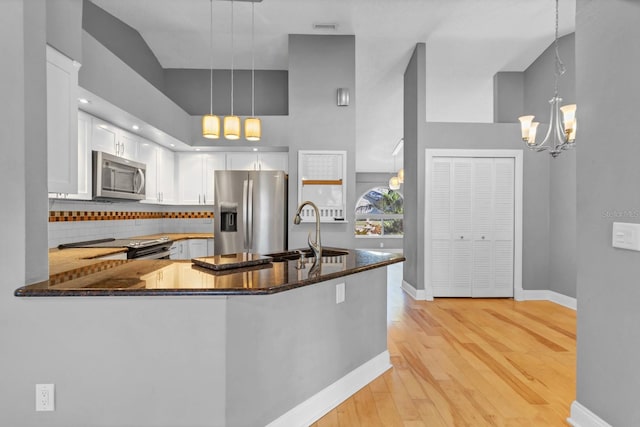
x=343, y=97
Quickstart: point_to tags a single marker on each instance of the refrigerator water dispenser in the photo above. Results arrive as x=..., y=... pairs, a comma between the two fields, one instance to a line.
x=229, y=217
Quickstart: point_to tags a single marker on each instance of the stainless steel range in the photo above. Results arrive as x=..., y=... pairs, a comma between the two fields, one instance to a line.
x=136, y=248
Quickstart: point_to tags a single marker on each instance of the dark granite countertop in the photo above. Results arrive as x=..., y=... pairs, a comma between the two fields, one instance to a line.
x=165, y=277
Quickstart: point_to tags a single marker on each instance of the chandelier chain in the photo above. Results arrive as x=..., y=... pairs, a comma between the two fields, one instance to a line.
x=560, y=67
x=252, y=61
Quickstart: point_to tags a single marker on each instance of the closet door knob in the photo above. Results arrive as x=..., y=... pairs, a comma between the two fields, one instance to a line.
x=482, y=237
x=462, y=237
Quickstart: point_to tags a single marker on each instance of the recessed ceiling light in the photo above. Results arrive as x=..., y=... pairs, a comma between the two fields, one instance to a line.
x=173, y=145
x=83, y=101
x=197, y=149
x=255, y=149
x=135, y=127
x=328, y=26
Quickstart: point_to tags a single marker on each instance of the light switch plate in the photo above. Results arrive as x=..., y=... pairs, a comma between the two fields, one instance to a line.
x=626, y=236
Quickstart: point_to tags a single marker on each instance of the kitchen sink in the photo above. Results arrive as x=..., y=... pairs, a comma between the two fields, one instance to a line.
x=307, y=253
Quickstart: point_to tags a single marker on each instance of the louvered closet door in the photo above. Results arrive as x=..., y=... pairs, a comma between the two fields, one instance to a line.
x=493, y=210
x=451, y=227
x=472, y=208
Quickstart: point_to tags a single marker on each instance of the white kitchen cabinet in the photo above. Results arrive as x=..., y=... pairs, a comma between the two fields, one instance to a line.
x=197, y=248
x=196, y=176
x=258, y=161
x=179, y=250
x=160, y=177
x=62, y=122
x=165, y=181
x=113, y=140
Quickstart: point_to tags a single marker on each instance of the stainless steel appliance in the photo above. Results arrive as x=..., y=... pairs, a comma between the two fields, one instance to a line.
x=250, y=212
x=136, y=248
x=117, y=178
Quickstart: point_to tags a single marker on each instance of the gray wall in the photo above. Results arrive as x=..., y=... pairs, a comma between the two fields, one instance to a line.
x=107, y=76
x=124, y=41
x=190, y=89
x=35, y=132
x=318, y=66
x=266, y=345
x=63, y=26
x=608, y=61
x=414, y=116
x=508, y=96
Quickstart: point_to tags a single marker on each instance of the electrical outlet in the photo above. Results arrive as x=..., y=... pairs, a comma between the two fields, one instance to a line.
x=340, y=293
x=45, y=397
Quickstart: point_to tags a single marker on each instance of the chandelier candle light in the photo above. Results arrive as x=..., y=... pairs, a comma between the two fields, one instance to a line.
x=561, y=135
x=211, y=123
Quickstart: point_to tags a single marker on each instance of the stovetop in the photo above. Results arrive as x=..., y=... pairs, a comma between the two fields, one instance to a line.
x=117, y=243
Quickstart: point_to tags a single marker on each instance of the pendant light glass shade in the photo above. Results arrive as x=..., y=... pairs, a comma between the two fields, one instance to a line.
x=401, y=176
x=211, y=126
x=394, y=183
x=232, y=127
x=252, y=129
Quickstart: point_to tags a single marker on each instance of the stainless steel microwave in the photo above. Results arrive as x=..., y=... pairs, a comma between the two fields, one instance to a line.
x=117, y=178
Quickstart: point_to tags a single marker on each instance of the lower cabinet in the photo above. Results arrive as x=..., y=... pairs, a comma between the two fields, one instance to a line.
x=191, y=248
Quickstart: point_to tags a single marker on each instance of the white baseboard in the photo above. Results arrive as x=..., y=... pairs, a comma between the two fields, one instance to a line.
x=582, y=417
x=547, y=295
x=416, y=294
x=312, y=409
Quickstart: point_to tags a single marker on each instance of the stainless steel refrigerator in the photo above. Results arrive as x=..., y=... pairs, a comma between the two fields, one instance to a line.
x=250, y=212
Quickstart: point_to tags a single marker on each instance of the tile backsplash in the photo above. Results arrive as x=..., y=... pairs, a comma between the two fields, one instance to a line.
x=77, y=221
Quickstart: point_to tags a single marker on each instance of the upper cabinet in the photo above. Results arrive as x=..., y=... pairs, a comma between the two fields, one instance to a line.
x=160, y=179
x=195, y=176
x=62, y=122
x=113, y=140
x=258, y=161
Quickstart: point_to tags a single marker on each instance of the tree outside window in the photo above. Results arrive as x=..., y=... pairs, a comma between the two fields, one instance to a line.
x=379, y=213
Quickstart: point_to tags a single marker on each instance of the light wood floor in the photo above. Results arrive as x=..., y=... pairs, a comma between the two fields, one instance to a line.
x=464, y=362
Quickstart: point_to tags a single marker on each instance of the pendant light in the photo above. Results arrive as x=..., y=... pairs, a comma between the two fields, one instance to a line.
x=252, y=125
x=394, y=181
x=211, y=123
x=232, y=122
x=401, y=176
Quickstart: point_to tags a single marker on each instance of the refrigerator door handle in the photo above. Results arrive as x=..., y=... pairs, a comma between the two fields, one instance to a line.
x=250, y=214
x=245, y=213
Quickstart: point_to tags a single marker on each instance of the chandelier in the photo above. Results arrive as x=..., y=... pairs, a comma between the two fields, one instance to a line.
x=561, y=135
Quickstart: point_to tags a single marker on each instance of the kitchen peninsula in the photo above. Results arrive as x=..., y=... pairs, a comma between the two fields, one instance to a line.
x=268, y=345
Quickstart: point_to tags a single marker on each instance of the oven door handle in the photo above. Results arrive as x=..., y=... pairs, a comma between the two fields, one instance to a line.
x=155, y=255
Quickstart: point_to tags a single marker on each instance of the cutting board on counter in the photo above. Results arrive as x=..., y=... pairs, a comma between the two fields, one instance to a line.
x=231, y=261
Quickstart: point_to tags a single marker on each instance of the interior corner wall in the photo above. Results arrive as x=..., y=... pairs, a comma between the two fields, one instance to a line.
x=318, y=66
x=608, y=343
x=539, y=83
x=414, y=117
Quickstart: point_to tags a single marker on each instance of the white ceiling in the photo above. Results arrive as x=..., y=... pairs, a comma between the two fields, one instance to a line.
x=467, y=41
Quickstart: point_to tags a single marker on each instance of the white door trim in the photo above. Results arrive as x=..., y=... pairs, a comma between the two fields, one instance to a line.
x=518, y=212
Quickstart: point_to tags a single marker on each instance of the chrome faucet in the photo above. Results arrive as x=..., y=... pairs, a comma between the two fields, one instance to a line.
x=315, y=246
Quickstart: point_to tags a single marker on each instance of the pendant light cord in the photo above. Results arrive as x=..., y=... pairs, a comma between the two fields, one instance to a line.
x=232, y=52
x=253, y=63
x=211, y=57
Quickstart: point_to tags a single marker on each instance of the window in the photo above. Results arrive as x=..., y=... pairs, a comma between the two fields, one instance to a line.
x=379, y=213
